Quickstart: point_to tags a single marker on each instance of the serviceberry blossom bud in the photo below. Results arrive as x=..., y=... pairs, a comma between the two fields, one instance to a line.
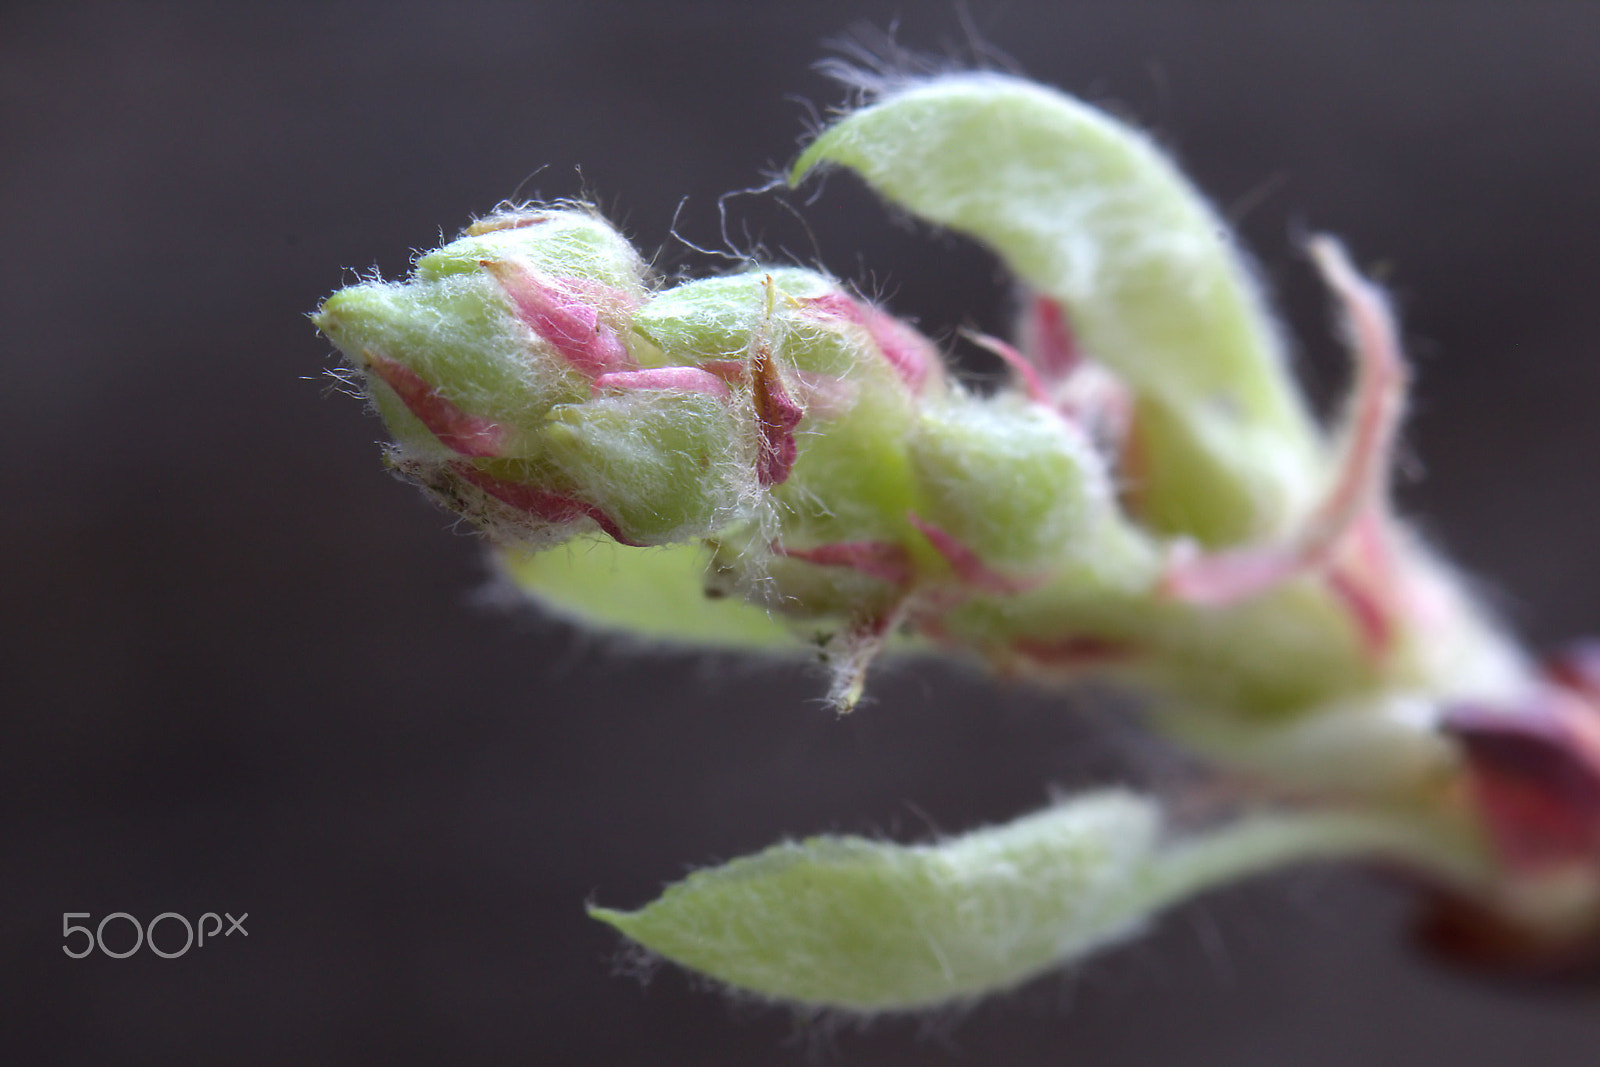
x=765, y=458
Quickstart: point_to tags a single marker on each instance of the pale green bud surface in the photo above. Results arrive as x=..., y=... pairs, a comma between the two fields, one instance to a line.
x=1015, y=483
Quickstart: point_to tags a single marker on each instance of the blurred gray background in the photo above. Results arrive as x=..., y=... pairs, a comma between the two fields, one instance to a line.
x=244, y=670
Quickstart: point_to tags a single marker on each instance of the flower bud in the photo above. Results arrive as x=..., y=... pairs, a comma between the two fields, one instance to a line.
x=1012, y=482
x=536, y=385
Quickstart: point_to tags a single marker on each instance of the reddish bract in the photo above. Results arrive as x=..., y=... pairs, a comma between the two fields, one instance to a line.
x=469, y=435
x=558, y=313
x=543, y=504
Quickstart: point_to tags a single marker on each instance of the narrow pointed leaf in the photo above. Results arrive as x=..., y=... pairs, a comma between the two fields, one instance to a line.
x=870, y=926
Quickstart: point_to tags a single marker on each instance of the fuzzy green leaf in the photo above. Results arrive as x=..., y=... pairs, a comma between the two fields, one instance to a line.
x=870, y=926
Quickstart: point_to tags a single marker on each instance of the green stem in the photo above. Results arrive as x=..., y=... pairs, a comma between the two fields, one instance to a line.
x=1260, y=843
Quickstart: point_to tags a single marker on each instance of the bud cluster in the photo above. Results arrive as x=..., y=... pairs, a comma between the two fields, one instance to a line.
x=1174, y=520
x=1146, y=500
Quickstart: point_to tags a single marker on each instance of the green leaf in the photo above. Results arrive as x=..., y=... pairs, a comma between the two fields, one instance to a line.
x=656, y=594
x=870, y=926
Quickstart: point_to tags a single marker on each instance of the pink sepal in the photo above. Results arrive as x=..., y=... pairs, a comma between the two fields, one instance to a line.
x=469, y=435
x=671, y=379
x=883, y=560
x=1048, y=339
x=910, y=354
x=543, y=504
x=1031, y=383
x=968, y=567
x=1346, y=536
x=556, y=312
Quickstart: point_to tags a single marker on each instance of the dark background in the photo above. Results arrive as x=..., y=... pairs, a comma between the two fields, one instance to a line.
x=246, y=671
